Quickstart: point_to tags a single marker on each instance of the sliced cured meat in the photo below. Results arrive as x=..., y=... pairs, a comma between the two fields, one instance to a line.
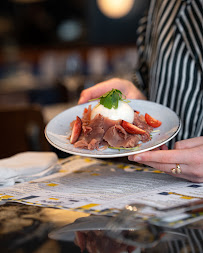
x=139, y=121
x=103, y=131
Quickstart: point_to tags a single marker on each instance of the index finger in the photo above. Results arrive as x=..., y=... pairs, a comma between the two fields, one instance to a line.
x=162, y=156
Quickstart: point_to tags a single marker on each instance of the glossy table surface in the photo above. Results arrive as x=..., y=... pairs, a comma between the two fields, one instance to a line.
x=25, y=228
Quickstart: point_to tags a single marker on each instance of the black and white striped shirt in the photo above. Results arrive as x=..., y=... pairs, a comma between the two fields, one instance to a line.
x=170, y=47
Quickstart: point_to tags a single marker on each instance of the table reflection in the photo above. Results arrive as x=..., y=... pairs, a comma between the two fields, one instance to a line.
x=187, y=240
x=25, y=228
x=97, y=241
x=90, y=236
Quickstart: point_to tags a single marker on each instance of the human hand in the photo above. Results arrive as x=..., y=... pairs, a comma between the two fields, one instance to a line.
x=125, y=86
x=187, y=153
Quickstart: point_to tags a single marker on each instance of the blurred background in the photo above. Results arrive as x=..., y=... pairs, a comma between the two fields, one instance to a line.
x=50, y=50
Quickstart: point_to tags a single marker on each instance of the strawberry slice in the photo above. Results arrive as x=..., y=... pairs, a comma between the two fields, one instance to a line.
x=132, y=129
x=77, y=127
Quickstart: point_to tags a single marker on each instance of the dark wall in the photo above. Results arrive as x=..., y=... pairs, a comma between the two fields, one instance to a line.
x=104, y=30
x=37, y=23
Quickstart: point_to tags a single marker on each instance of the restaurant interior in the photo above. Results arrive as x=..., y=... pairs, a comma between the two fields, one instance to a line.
x=50, y=50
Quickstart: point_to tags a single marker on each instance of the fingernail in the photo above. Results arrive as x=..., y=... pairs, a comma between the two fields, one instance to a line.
x=137, y=158
x=134, y=158
x=130, y=158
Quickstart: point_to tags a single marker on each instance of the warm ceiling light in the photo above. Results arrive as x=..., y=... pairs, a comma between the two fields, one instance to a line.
x=115, y=8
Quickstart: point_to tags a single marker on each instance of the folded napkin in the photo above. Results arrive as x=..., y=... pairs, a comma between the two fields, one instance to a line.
x=27, y=166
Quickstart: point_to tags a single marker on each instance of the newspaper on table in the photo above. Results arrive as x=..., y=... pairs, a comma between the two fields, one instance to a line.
x=99, y=187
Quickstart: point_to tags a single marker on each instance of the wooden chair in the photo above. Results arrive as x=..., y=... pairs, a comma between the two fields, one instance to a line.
x=22, y=129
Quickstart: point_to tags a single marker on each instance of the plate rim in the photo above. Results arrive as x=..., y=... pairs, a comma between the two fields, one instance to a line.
x=116, y=154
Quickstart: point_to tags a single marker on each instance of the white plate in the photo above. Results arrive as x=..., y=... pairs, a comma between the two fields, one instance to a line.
x=58, y=129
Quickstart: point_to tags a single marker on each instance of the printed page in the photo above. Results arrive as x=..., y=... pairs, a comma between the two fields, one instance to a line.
x=96, y=186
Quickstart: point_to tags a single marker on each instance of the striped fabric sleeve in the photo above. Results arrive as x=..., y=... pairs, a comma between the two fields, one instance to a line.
x=190, y=24
x=141, y=77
